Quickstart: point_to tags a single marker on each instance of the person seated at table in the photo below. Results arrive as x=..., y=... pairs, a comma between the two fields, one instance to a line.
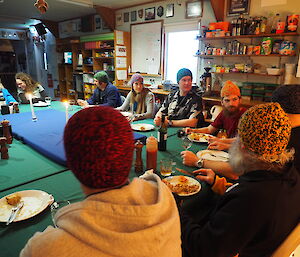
x=288, y=96
x=104, y=94
x=5, y=97
x=183, y=108
x=140, y=100
x=255, y=215
x=227, y=119
x=27, y=85
x=117, y=217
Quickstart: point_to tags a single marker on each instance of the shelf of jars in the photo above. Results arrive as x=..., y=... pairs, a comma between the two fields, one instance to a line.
x=247, y=73
x=243, y=55
x=287, y=34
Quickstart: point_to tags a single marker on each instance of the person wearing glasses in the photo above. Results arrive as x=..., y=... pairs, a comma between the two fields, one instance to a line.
x=105, y=94
x=140, y=100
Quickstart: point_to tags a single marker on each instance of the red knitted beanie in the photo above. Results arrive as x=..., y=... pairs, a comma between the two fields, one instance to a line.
x=99, y=147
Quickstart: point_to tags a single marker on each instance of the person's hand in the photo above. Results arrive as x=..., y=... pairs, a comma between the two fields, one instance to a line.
x=206, y=175
x=218, y=145
x=188, y=130
x=82, y=103
x=157, y=121
x=189, y=158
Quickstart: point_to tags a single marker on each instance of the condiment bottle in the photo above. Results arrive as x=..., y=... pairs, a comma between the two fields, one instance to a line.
x=222, y=133
x=138, y=165
x=162, y=134
x=151, y=149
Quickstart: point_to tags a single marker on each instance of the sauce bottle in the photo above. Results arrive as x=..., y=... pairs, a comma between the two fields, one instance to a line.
x=151, y=149
x=162, y=135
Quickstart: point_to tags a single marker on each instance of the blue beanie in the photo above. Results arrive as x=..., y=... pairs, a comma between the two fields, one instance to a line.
x=182, y=73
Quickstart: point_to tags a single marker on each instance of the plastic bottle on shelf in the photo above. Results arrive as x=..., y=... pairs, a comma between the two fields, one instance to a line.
x=151, y=150
x=274, y=23
x=280, y=25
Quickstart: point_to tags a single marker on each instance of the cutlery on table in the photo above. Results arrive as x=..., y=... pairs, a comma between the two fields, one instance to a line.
x=189, y=172
x=218, y=156
x=14, y=212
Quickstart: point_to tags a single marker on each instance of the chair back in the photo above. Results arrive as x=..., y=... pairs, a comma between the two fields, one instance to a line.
x=289, y=245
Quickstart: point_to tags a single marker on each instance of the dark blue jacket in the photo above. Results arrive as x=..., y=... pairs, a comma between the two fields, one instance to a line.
x=109, y=97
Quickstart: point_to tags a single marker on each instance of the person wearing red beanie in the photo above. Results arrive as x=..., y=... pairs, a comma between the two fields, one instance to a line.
x=117, y=217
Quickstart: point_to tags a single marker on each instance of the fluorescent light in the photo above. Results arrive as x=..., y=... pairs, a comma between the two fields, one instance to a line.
x=88, y=3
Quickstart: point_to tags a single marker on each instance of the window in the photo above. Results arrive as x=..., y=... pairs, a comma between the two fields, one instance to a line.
x=180, y=51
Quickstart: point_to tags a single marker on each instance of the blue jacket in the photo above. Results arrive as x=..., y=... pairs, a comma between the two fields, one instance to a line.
x=109, y=97
x=7, y=96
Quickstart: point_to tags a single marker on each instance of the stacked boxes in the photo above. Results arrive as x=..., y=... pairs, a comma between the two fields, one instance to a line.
x=257, y=91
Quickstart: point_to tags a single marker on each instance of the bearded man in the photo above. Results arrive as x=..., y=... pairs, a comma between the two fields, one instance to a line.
x=227, y=119
x=254, y=215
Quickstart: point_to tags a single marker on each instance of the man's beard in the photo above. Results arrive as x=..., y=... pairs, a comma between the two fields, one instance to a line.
x=231, y=110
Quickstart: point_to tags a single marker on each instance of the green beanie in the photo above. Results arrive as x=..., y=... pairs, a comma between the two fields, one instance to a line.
x=101, y=76
x=182, y=73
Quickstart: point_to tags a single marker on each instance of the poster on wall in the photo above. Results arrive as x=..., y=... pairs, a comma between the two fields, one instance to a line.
x=121, y=62
x=236, y=7
x=119, y=38
x=121, y=74
x=119, y=21
x=120, y=50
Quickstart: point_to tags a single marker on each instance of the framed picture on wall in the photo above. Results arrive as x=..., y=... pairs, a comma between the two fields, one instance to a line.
x=119, y=20
x=236, y=7
x=126, y=16
x=133, y=16
x=150, y=13
x=169, y=10
x=194, y=9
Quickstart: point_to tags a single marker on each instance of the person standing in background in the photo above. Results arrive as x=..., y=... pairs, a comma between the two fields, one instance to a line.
x=26, y=84
x=105, y=94
x=288, y=96
x=140, y=100
x=5, y=97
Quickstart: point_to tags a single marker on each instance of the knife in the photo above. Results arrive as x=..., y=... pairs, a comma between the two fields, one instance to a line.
x=190, y=173
x=14, y=212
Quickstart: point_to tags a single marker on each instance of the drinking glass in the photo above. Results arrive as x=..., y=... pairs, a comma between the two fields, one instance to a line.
x=72, y=102
x=54, y=207
x=186, y=143
x=48, y=100
x=166, y=167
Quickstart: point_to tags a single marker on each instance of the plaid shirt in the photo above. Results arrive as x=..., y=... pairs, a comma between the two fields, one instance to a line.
x=187, y=107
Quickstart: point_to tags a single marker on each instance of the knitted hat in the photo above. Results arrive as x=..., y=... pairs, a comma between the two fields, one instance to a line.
x=182, y=73
x=99, y=147
x=101, y=76
x=136, y=77
x=288, y=97
x=229, y=88
x=265, y=130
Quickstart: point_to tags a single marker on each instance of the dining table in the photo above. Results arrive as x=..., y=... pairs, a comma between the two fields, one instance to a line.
x=28, y=169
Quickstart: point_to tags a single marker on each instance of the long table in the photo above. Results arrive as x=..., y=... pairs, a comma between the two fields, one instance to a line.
x=26, y=169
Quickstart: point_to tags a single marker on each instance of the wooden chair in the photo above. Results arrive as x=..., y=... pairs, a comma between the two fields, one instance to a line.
x=289, y=245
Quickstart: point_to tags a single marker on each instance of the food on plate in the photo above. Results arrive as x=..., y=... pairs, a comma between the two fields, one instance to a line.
x=182, y=187
x=13, y=199
x=142, y=128
x=199, y=136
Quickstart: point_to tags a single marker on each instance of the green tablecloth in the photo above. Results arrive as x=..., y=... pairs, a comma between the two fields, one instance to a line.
x=63, y=186
x=24, y=165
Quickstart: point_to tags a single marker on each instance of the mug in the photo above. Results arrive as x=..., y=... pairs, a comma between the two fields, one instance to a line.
x=214, y=111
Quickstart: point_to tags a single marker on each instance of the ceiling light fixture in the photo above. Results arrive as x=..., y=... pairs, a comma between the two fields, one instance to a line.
x=85, y=3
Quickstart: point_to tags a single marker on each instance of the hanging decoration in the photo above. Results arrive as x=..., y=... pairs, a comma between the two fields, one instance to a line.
x=42, y=6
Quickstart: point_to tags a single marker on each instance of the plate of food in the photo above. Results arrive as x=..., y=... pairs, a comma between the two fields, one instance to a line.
x=213, y=155
x=142, y=127
x=35, y=201
x=199, y=137
x=182, y=185
x=40, y=104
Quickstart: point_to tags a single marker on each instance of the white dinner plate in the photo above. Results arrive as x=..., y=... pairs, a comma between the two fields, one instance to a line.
x=199, y=137
x=190, y=182
x=213, y=155
x=35, y=201
x=40, y=104
x=142, y=127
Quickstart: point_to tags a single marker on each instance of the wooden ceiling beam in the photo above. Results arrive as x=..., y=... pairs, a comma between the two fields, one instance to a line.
x=219, y=9
x=108, y=15
x=52, y=26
